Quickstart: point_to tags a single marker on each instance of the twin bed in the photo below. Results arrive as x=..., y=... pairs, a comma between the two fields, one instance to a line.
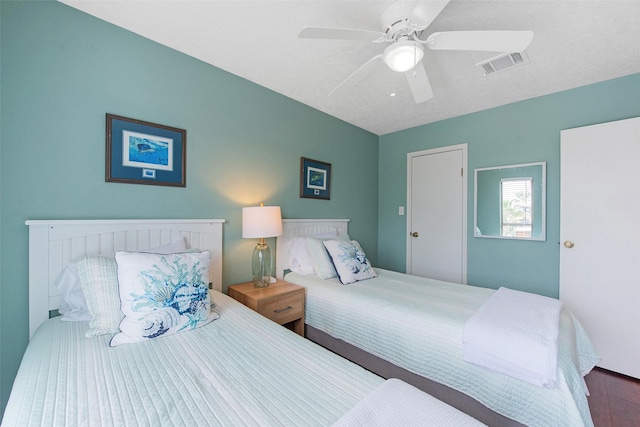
x=412, y=328
x=239, y=369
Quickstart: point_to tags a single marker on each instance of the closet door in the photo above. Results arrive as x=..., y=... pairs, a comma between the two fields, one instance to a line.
x=437, y=213
x=600, y=237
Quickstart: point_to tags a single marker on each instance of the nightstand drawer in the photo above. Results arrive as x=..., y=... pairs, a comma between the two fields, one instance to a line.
x=281, y=302
x=283, y=308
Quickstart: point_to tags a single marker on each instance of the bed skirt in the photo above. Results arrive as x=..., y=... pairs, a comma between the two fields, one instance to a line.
x=388, y=370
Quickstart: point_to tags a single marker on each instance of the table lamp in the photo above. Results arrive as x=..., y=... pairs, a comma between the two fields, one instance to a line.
x=261, y=222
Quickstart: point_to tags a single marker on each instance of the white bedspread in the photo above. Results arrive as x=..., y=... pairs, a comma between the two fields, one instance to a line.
x=396, y=403
x=516, y=333
x=240, y=370
x=417, y=324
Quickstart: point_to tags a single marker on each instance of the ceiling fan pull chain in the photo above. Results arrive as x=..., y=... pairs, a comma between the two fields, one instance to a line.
x=415, y=61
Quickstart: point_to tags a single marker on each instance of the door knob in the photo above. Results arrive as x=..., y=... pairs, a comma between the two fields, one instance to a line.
x=414, y=234
x=568, y=244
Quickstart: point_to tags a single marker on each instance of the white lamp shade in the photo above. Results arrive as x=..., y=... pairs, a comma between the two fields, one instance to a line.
x=403, y=56
x=261, y=221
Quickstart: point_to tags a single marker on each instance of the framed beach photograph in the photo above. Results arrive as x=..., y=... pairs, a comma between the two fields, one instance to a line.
x=315, y=179
x=139, y=152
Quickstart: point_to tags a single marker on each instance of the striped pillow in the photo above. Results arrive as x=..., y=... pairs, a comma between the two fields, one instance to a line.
x=99, y=280
x=320, y=260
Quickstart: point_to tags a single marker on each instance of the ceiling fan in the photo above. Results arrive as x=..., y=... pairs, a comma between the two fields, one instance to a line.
x=402, y=25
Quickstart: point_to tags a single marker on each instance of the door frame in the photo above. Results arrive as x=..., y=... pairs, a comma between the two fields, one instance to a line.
x=465, y=166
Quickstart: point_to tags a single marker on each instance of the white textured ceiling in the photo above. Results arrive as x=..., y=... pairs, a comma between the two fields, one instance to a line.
x=576, y=43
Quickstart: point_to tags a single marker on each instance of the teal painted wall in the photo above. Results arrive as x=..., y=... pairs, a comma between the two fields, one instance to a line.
x=523, y=132
x=62, y=70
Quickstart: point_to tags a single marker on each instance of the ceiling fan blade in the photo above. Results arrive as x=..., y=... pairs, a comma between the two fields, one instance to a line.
x=491, y=41
x=359, y=74
x=425, y=12
x=419, y=83
x=339, y=34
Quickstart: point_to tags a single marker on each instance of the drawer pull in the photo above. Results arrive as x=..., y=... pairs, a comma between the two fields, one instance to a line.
x=280, y=310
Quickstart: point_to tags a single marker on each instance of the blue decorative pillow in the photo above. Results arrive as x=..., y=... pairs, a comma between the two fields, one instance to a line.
x=350, y=261
x=161, y=295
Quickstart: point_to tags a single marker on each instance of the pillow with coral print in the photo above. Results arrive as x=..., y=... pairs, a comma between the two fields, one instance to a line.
x=161, y=295
x=350, y=261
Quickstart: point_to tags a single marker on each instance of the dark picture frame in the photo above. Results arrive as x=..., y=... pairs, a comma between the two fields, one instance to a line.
x=315, y=179
x=139, y=152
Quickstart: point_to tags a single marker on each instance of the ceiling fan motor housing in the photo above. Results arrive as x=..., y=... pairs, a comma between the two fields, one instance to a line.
x=404, y=52
x=395, y=20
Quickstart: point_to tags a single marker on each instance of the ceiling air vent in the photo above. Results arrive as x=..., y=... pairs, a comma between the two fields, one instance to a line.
x=503, y=62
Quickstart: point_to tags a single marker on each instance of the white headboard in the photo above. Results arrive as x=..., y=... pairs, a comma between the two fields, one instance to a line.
x=53, y=244
x=303, y=227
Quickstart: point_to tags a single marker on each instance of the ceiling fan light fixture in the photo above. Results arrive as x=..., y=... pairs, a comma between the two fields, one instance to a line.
x=403, y=55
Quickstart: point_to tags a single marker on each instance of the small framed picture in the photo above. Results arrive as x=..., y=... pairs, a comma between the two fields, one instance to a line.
x=140, y=152
x=315, y=179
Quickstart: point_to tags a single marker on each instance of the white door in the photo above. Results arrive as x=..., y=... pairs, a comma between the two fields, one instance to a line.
x=437, y=213
x=600, y=238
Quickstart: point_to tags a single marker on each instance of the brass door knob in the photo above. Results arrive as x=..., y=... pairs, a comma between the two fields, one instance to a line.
x=414, y=234
x=568, y=244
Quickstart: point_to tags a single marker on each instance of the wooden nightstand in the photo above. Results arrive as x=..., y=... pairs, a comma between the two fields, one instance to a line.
x=281, y=302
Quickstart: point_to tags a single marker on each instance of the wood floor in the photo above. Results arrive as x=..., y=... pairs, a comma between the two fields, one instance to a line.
x=614, y=399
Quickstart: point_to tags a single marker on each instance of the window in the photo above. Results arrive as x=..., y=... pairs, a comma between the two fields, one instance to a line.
x=516, y=209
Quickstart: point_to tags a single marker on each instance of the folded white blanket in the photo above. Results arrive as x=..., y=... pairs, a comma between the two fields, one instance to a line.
x=516, y=333
x=396, y=403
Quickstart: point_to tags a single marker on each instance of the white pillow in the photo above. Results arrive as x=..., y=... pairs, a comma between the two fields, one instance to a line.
x=299, y=260
x=320, y=260
x=73, y=305
x=161, y=295
x=350, y=261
